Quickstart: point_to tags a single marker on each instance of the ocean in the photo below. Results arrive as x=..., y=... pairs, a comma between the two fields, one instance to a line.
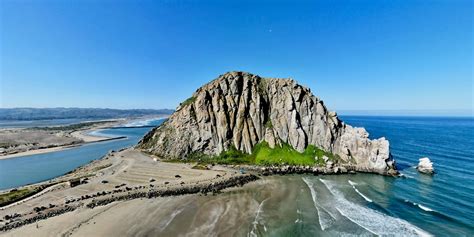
x=324, y=205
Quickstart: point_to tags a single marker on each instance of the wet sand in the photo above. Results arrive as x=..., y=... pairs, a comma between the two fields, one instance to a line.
x=269, y=205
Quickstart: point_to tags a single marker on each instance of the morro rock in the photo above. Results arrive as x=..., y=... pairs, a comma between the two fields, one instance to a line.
x=240, y=110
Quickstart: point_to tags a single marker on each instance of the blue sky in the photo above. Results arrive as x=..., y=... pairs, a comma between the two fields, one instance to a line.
x=355, y=55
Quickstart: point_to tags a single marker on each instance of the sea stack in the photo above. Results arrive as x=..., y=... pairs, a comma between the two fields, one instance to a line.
x=240, y=110
x=425, y=166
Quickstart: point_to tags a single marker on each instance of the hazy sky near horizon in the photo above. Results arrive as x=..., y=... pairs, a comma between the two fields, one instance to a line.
x=355, y=55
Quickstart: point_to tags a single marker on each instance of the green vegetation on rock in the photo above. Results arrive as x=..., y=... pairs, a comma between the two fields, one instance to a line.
x=263, y=155
x=188, y=101
x=285, y=154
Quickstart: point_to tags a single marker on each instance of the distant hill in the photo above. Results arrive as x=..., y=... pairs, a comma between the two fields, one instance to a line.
x=75, y=113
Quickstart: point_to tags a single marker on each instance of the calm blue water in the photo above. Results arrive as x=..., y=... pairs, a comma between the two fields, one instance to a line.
x=36, y=168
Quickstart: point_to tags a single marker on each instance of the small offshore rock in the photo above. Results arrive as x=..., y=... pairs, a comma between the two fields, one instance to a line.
x=425, y=166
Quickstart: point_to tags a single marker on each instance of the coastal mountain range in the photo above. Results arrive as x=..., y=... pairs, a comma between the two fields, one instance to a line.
x=240, y=110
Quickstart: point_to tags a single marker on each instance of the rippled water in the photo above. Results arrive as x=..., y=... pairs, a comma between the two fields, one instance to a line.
x=441, y=203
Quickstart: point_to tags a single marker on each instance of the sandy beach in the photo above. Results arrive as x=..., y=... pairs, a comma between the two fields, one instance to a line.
x=125, y=173
x=38, y=151
x=84, y=136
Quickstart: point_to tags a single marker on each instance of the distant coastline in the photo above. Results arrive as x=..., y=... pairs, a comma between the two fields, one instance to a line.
x=409, y=113
x=82, y=136
x=31, y=114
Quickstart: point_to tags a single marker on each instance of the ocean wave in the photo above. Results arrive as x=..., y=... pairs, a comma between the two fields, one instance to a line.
x=139, y=123
x=326, y=220
x=424, y=208
x=369, y=219
x=357, y=191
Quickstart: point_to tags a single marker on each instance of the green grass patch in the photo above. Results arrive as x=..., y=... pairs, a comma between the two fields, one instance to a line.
x=269, y=124
x=188, y=101
x=263, y=155
x=229, y=157
x=17, y=194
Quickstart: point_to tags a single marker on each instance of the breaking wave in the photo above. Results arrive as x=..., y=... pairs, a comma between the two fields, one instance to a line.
x=139, y=123
x=371, y=220
x=424, y=208
x=326, y=220
x=358, y=192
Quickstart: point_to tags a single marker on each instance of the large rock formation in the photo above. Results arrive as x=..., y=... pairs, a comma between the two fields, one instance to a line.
x=240, y=109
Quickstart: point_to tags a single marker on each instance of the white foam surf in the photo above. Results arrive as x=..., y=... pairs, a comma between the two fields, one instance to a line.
x=326, y=220
x=372, y=220
x=352, y=183
x=139, y=123
x=406, y=176
x=424, y=208
x=207, y=228
x=357, y=191
x=165, y=223
x=258, y=219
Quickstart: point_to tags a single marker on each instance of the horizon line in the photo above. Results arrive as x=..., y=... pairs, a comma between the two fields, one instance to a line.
x=342, y=112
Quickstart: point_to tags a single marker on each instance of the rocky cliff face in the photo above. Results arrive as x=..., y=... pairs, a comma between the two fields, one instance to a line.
x=240, y=109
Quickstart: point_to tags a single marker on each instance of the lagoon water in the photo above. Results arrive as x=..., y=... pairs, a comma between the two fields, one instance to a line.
x=307, y=205
x=24, y=170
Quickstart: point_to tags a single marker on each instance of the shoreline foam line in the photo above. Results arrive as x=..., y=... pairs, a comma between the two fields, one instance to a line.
x=357, y=191
x=257, y=218
x=324, y=222
x=369, y=219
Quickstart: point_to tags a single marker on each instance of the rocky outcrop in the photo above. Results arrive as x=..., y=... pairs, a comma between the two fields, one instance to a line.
x=425, y=166
x=240, y=110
